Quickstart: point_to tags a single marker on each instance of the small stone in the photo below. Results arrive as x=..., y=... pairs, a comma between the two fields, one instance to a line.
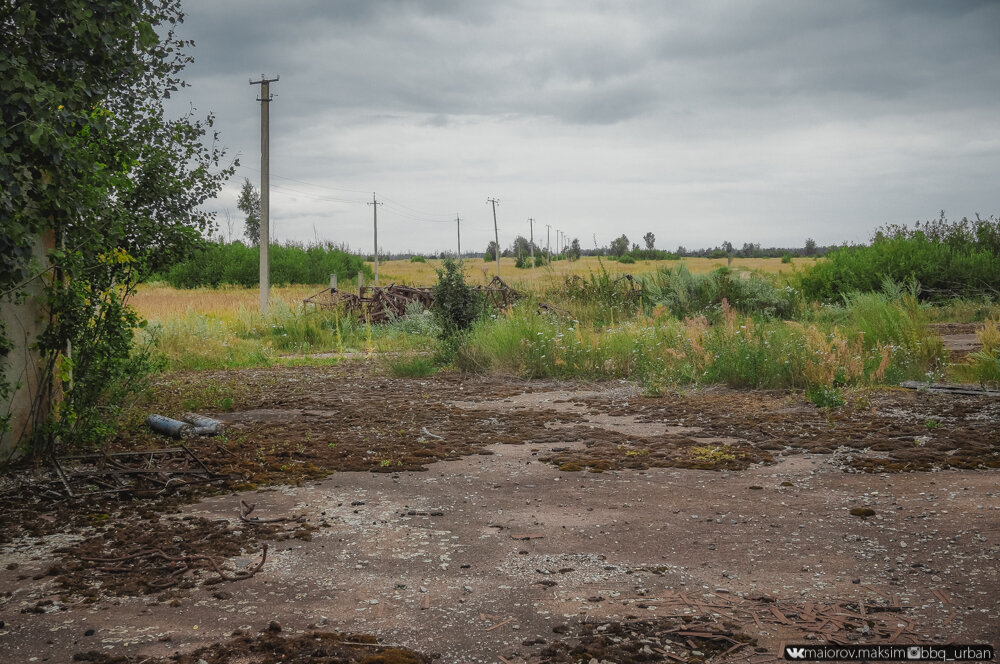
x=89, y=632
x=274, y=626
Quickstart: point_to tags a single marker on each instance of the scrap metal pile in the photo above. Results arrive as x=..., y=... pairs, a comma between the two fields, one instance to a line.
x=150, y=472
x=382, y=304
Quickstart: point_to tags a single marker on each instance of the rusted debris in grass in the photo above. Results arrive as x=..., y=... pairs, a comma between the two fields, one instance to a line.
x=382, y=304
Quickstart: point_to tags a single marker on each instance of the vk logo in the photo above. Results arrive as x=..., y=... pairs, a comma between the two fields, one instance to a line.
x=795, y=653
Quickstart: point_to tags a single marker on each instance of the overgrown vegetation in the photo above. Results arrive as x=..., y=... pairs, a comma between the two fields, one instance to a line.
x=687, y=294
x=89, y=159
x=456, y=304
x=237, y=264
x=947, y=258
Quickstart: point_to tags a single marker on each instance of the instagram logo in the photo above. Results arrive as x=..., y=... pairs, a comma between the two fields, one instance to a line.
x=913, y=652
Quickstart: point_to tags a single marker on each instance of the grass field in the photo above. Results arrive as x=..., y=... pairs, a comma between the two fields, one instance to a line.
x=158, y=302
x=479, y=271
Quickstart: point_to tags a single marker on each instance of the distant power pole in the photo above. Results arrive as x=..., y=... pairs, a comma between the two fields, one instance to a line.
x=458, y=227
x=558, y=241
x=548, y=241
x=496, y=233
x=265, y=194
x=531, y=240
x=375, y=205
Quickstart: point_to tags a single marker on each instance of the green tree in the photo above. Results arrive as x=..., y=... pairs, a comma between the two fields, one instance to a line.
x=249, y=205
x=650, y=240
x=810, y=246
x=619, y=246
x=574, y=250
x=88, y=154
x=491, y=252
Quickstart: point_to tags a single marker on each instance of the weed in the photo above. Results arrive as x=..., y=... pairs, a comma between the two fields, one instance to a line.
x=713, y=454
x=412, y=367
x=825, y=397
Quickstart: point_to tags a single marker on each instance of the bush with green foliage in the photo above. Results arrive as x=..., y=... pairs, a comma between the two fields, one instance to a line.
x=686, y=294
x=457, y=305
x=418, y=259
x=88, y=152
x=947, y=259
x=239, y=265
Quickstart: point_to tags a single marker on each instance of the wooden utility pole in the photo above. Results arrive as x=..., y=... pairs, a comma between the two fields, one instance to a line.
x=531, y=240
x=496, y=233
x=458, y=227
x=375, y=205
x=265, y=194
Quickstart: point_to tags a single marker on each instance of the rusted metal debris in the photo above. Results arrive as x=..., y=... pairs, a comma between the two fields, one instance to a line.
x=382, y=304
x=151, y=472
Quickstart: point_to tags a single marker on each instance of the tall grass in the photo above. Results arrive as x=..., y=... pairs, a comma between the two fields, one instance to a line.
x=684, y=293
x=245, y=338
x=739, y=350
x=985, y=364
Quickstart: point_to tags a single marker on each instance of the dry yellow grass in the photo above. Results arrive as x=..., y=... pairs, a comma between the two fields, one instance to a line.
x=479, y=271
x=160, y=303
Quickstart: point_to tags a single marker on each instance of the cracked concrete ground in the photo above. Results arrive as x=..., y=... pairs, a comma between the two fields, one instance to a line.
x=482, y=555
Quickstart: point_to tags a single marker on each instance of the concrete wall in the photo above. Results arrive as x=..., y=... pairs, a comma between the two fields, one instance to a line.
x=23, y=321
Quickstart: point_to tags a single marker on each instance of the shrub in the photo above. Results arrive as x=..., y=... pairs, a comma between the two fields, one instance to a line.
x=417, y=259
x=686, y=294
x=456, y=304
x=948, y=259
x=237, y=264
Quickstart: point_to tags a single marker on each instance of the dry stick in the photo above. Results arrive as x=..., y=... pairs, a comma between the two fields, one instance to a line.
x=499, y=624
x=246, y=509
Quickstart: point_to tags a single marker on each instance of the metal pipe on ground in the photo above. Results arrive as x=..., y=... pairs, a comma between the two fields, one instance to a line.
x=203, y=426
x=169, y=426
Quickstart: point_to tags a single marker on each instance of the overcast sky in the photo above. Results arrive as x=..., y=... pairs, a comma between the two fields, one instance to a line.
x=701, y=121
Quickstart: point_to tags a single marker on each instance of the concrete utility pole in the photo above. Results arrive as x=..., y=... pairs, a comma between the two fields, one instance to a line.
x=458, y=227
x=375, y=205
x=531, y=240
x=265, y=194
x=496, y=234
x=548, y=241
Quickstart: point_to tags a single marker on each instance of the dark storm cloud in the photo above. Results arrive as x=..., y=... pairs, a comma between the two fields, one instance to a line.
x=736, y=103
x=585, y=62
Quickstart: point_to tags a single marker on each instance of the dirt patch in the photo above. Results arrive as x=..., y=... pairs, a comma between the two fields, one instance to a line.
x=272, y=648
x=171, y=553
x=888, y=430
x=290, y=425
x=641, y=641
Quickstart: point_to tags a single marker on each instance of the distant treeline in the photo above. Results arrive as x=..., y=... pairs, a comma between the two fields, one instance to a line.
x=237, y=264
